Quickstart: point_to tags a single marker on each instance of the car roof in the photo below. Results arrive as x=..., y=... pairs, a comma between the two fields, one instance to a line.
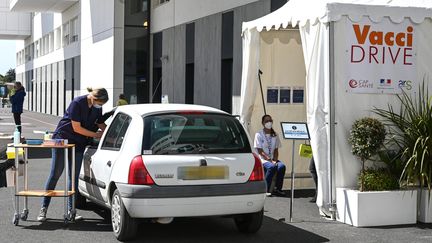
x=144, y=109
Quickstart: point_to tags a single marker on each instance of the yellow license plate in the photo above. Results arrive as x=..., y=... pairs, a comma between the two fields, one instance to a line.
x=203, y=172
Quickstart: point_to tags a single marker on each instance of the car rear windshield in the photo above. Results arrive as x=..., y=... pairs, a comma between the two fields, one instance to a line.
x=193, y=134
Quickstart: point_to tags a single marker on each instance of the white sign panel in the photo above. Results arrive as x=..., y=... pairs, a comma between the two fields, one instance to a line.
x=380, y=57
x=295, y=130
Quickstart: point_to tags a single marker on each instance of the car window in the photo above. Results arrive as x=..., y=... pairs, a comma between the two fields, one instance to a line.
x=194, y=134
x=116, y=132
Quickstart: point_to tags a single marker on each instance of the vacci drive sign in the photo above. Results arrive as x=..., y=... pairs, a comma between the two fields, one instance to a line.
x=380, y=57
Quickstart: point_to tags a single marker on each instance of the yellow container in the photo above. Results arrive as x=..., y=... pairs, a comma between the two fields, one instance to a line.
x=10, y=152
x=305, y=151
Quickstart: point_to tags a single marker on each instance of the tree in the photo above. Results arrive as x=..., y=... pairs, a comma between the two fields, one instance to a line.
x=2, y=79
x=367, y=135
x=9, y=76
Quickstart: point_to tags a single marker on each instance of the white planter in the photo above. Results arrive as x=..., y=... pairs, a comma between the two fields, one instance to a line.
x=363, y=209
x=425, y=206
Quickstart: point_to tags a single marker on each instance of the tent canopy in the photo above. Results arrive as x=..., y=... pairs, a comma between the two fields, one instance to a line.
x=324, y=62
x=299, y=12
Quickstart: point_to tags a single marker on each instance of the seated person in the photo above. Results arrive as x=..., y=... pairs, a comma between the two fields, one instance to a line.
x=266, y=144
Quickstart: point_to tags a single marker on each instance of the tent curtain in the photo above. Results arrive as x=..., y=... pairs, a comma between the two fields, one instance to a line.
x=249, y=82
x=315, y=44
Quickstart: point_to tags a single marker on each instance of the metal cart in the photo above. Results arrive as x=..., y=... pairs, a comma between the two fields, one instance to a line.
x=68, y=216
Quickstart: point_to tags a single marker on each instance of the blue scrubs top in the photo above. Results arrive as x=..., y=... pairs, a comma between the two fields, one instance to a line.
x=78, y=111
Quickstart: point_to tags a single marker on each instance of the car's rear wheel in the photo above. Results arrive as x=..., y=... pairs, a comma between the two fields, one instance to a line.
x=124, y=226
x=249, y=223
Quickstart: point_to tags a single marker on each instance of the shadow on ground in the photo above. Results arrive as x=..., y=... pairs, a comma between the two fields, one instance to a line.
x=208, y=229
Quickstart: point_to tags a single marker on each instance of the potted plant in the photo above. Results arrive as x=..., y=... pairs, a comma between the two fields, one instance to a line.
x=410, y=131
x=378, y=199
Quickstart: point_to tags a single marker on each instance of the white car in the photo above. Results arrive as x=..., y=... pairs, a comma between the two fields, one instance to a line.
x=160, y=161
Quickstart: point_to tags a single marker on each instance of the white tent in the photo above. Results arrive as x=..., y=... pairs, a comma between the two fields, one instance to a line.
x=358, y=54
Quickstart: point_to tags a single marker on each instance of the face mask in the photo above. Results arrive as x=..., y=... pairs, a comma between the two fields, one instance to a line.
x=268, y=125
x=97, y=106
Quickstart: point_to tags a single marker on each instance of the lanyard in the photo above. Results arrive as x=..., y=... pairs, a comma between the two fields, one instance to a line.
x=269, y=144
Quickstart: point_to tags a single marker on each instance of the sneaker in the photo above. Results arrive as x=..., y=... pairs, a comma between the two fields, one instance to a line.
x=77, y=217
x=313, y=200
x=42, y=215
x=279, y=193
x=268, y=194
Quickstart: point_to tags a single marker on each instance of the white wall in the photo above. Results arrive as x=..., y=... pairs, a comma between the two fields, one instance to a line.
x=177, y=12
x=13, y=25
x=101, y=46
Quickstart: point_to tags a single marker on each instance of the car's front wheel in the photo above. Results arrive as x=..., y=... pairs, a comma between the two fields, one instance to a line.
x=249, y=223
x=124, y=226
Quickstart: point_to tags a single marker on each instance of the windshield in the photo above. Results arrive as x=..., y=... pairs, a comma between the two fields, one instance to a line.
x=193, y=134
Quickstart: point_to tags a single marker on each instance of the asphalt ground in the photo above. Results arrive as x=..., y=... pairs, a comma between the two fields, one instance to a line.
x=307, y=225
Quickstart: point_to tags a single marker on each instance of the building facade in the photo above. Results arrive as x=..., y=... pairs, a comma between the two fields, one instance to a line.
x=187, y=50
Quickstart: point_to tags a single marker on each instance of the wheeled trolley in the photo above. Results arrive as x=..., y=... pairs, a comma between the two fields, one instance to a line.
x=68, y=216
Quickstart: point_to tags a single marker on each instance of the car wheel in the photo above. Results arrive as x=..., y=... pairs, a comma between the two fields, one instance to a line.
x=249, y=223
x=80, y=201
x=124, y=226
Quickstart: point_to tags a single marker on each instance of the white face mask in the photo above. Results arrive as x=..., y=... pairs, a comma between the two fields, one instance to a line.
x=268, y=125
x=97, y=106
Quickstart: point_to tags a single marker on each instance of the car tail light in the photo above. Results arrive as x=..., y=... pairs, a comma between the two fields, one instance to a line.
x=257, y=172
x=138, y=174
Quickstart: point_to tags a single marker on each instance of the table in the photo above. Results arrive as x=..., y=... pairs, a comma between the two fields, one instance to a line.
x=68, y=216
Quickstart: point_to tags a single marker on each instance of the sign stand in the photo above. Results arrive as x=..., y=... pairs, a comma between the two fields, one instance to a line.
x=294, y=131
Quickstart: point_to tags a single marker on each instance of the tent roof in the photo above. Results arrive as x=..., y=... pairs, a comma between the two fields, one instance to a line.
x=299, y=12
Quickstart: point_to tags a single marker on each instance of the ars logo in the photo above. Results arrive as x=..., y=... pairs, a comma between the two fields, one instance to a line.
x=353, y=83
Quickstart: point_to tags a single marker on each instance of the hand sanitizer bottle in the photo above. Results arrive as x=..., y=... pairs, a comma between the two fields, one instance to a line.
x=17, y=136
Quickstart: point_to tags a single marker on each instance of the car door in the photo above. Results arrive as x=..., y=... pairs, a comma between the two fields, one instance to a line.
x=108, y=153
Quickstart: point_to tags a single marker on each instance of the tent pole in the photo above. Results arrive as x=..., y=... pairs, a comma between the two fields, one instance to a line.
x=332, y=203
x=262, y=93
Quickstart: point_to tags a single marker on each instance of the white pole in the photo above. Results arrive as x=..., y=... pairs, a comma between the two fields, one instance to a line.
x=292, y=181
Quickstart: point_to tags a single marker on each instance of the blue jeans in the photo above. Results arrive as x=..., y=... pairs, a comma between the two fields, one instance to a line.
x=57, y=167
x=270, y=169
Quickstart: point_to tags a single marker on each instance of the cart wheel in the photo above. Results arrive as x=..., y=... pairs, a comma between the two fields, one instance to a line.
x=15, y=219
x=66, y=219
x=24, y=215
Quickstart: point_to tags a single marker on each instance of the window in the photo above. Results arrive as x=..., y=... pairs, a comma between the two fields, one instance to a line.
x=227, y=61
x=37, y=48
x=298, y=96
x=27, y=54
x=276, y=4
x=51, y=41
x=65, y=31
x=46, y=44
x=74, y=29
x=190, y=63
x=116, y=132
x=179, y=133
x=58, y=38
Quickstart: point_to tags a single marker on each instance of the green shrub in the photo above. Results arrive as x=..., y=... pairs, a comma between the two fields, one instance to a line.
x=378, y=180
x=410, y=131
x=367, y=135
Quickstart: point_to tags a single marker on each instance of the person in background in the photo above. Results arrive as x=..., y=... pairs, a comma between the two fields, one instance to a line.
x=80, y=122
x=122, y=100
x=266, y=144
x=312, y=170
x=17, y=99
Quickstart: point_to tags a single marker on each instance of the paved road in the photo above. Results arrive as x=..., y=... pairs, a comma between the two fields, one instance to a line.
x=308, y=226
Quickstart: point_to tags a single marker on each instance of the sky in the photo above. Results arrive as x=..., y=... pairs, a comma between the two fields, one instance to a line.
x=7, y=55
